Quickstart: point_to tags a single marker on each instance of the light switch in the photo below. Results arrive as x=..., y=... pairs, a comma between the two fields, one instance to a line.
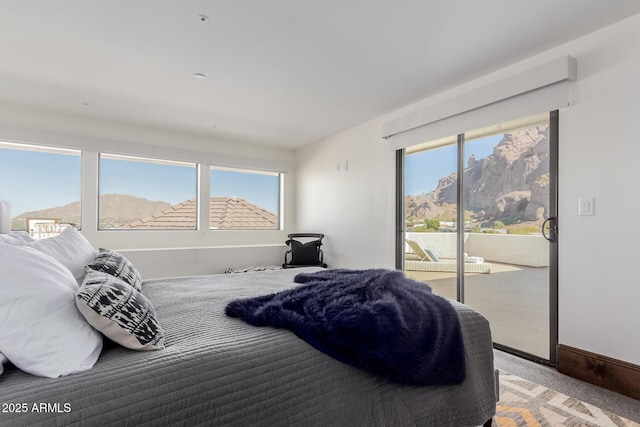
x=585, y=206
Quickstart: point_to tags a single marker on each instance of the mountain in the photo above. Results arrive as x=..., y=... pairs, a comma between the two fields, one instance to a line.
x=510, y=186
x=115, y=210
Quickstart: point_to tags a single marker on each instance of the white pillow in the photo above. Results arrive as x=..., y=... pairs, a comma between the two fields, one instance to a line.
x=16, y=238
x=41, y=330
x=3, y=360
x=70, y=248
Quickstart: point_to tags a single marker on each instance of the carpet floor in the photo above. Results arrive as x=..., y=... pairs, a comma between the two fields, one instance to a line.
x=524, y=403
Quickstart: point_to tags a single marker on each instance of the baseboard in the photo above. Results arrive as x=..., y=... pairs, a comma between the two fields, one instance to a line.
x=615, y=375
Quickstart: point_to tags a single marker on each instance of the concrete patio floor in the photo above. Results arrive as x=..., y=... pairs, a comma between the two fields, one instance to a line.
x=514, y=298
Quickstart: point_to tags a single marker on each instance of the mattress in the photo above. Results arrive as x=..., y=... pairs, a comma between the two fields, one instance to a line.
x=217, y=370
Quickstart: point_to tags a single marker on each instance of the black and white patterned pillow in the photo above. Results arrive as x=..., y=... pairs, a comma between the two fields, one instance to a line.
x=115, y=264
x=119, y=311
x=231, y=270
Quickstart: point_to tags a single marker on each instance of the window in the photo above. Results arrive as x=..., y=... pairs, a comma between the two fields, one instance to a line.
x=44, y=186
x=245, y=200
x=146, y=194
x=41, y=184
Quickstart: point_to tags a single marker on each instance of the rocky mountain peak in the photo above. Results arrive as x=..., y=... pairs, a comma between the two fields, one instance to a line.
x=510, y=185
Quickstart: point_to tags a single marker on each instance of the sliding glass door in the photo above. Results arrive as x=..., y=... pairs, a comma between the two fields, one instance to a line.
x=479, y=239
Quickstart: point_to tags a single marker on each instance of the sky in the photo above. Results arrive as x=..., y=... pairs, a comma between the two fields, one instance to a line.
x=31, y=180
x=259, y=189
x=423, y=170
x=40, y=180
x=44, y=180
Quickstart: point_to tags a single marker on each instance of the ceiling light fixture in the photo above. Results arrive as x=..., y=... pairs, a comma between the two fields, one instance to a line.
x=199, y=76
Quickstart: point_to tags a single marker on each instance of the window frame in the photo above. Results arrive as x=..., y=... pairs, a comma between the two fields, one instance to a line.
x=90, y=149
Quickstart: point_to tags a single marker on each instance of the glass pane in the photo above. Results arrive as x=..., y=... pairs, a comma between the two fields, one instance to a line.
x=430, y=213
x=244, y=200
x=506, y=197
x=41, y=184
x=146, y=194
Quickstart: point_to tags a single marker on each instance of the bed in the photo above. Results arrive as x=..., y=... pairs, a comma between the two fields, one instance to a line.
x=178, y=352
x=217, y=370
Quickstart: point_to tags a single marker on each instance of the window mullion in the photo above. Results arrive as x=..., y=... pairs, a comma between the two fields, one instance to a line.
x=89, y=193
x=460, y=218
x=204, y=197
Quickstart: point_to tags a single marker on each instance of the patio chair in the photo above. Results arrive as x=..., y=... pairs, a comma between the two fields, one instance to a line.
x=302, y=254
x=426, y=260
x=423, y=254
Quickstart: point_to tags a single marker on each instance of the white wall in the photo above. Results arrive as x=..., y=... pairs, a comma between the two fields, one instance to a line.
x=518, y=249
x=352, y=207
x=174, y=262
x=599, y=153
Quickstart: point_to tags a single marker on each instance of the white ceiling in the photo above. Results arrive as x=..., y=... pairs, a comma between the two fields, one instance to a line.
x=279, y=72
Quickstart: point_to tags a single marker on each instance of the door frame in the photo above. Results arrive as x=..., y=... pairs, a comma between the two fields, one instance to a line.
x=553, y=245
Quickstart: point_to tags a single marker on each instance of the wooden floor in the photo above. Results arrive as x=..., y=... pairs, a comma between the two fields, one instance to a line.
x=515, y=299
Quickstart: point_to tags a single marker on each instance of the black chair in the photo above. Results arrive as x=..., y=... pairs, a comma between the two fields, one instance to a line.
x=302, y=254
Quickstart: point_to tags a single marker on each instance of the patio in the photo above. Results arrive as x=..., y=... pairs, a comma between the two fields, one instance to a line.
x=514, y=298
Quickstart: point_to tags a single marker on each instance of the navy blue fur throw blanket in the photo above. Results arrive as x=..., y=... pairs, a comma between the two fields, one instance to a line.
x=377, y=320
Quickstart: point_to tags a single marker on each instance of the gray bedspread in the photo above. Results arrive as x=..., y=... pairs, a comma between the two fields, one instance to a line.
x=217, y=370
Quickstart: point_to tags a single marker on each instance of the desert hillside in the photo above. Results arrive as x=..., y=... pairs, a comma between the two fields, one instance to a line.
x=115, y=210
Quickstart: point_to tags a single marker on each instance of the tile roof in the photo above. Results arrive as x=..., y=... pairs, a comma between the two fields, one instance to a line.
x=227, y=213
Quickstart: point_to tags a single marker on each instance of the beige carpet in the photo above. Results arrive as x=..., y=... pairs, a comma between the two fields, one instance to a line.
x=523, y=403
